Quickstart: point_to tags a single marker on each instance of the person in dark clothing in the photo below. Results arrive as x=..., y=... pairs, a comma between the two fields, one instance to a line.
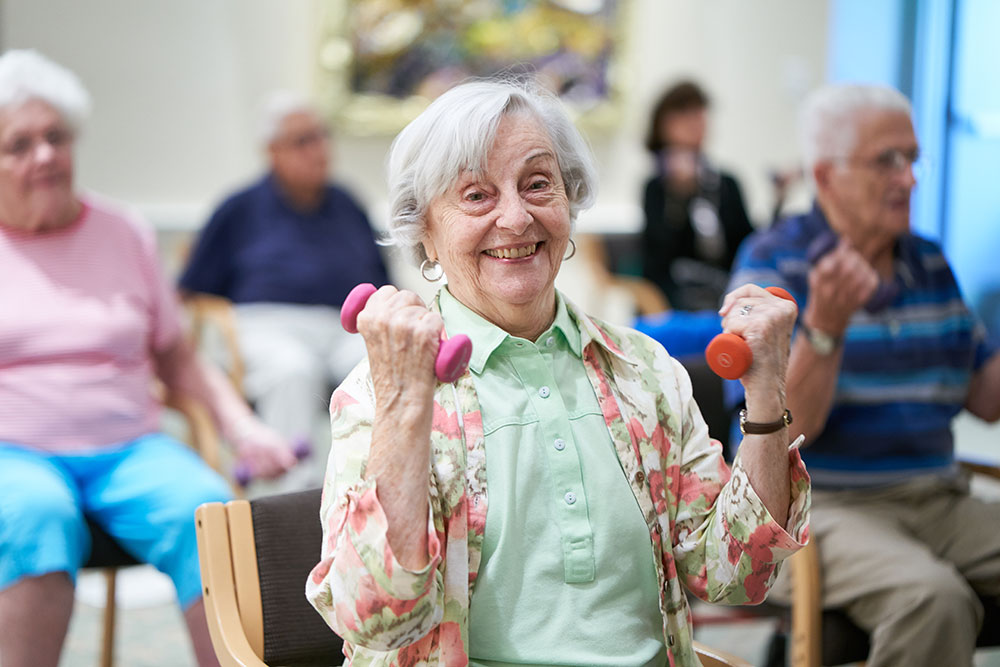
x=287, y=250
x=694, y=213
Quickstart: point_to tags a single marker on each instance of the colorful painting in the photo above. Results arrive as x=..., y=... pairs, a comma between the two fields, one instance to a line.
x=384, y=59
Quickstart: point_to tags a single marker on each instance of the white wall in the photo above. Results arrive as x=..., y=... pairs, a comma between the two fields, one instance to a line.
x=176, y=84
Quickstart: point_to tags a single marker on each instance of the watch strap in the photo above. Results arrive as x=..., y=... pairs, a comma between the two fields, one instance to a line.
x=748, y=427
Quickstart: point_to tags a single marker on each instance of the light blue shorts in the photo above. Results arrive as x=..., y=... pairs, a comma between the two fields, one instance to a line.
x=143, y=493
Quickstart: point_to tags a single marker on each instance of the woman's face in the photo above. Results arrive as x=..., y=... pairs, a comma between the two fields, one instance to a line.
x=501, y=234
x=36, y=167
x=684, y=130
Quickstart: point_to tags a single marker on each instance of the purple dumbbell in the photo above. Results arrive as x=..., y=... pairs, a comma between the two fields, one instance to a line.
x=453, y=353
x=243, y=476
x=885, y=293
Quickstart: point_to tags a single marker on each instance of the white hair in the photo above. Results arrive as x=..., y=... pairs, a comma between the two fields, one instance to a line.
x=277, y=106
x=455, y=134
x=27, y=75
x=828, y=118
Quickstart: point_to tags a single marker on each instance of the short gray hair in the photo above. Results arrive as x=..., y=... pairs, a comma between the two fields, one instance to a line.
x=456, y=132
x=827, y=119
x=27, y=75
x=277, y=106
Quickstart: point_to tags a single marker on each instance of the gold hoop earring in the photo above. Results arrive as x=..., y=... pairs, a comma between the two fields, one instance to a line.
x=572, y=251
x=434, y=266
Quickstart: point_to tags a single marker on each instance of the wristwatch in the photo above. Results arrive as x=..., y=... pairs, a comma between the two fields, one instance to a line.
x=748, y=427
x=821, y=341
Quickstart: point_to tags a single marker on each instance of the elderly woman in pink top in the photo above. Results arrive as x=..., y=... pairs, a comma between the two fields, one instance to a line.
x=88, y=325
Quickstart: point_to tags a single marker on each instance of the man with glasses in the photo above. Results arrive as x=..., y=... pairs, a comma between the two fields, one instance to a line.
x=885, y=355
x=286, y=251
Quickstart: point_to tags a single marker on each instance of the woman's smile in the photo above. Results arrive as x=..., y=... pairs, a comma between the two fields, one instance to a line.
x=513, y=252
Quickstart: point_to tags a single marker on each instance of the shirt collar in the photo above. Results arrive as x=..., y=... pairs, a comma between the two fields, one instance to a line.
x=487, y=337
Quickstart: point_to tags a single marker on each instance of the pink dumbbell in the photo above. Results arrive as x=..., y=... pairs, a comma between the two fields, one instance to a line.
x=453, y=354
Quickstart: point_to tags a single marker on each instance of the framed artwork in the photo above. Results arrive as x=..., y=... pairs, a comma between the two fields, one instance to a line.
x=382, y=61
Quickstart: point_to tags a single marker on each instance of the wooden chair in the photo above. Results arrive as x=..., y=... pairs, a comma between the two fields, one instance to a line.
x=210, y=312
x=255, y=558
x=828, y=637
x=107, y=555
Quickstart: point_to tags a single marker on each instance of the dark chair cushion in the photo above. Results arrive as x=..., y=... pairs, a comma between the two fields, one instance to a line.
x=104, y=551
x=289, y=537
x=707, y=390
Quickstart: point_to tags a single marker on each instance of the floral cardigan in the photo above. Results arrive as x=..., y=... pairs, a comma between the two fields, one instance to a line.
x=708, y=528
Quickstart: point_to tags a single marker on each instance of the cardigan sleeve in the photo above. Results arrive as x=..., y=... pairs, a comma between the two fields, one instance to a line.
x=358, y=586
x=726, y=544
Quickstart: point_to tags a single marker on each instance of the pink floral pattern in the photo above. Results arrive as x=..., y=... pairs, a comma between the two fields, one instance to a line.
x=709, y=530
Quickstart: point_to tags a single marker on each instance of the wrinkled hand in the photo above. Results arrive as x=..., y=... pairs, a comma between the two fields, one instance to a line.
x=767, y=329
x=402, y=337
x=840, y=283
x=262, y=449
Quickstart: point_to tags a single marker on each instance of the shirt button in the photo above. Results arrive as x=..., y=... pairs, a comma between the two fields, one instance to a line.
x=640, y=477
x=559, y=444
x=570, y=498
x=544, y=392
x=550, y=341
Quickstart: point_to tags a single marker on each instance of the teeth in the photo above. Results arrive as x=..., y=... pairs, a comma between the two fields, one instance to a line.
x=513, y=253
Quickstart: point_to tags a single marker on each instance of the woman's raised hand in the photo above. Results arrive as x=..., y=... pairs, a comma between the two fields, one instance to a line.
x=402, y=337
x=765, y=321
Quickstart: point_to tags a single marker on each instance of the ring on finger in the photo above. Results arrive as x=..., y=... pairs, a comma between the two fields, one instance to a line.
x=745, y=310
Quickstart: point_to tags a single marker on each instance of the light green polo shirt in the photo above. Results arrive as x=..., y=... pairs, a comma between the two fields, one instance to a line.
x=567, y=574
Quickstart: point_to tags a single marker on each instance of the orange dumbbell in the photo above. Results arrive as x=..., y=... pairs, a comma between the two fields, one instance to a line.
x=728, y=355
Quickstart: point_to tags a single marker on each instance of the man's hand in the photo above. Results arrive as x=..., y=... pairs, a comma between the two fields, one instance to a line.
x=841, y=282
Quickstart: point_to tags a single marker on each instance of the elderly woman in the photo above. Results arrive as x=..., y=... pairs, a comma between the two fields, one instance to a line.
x=89, y=324
x=548, y=506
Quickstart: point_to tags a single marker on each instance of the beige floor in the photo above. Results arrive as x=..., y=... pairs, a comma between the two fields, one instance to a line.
x=151, y=630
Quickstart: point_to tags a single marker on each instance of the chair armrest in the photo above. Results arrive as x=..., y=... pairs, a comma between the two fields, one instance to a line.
x=202, y=433
x=980, y=467
x=807, y=606
x=711, y=657
x=215, y=311
x=221, y=607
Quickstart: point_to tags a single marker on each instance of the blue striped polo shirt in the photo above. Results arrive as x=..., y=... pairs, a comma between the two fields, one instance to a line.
x=905, y=370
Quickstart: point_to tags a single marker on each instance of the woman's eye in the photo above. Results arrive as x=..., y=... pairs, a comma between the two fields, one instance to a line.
x=538, y=185
x=475, y=197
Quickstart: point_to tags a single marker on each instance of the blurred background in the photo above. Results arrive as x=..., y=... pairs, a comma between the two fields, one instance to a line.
x=177, y=86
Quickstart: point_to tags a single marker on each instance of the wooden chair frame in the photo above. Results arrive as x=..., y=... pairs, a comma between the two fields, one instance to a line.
x=807, y=593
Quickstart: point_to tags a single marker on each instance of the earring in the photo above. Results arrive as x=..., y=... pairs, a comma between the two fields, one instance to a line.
x=572, y=251
x=434, y=267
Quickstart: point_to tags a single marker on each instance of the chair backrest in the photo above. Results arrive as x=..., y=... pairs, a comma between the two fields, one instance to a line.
x=707, y=389
x=255, y=558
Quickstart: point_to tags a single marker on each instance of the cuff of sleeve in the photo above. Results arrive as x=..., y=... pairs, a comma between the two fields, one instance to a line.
x=754, y=529
x=367, y=528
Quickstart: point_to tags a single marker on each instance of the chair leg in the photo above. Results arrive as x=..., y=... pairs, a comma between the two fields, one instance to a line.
x=108, y=643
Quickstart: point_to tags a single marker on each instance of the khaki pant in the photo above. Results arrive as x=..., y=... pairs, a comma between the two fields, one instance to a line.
x=906, y=563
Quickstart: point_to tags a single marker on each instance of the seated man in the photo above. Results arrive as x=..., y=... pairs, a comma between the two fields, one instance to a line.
x=287, y=250
x=905, y=549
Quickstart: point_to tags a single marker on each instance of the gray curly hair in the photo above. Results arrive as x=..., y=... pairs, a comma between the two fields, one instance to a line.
x=455, y=134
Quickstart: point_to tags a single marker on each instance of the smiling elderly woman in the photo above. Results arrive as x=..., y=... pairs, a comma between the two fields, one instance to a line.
x=605, y=492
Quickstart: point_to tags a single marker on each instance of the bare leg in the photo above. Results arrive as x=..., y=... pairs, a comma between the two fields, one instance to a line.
x=200, y=639
x=34, y=615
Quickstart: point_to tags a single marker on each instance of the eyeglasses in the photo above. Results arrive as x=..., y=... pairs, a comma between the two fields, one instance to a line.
x=25, y=145
x=893, y=161
x=306, y=139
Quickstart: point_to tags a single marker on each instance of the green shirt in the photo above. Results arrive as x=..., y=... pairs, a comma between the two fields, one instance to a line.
x=567, y=574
